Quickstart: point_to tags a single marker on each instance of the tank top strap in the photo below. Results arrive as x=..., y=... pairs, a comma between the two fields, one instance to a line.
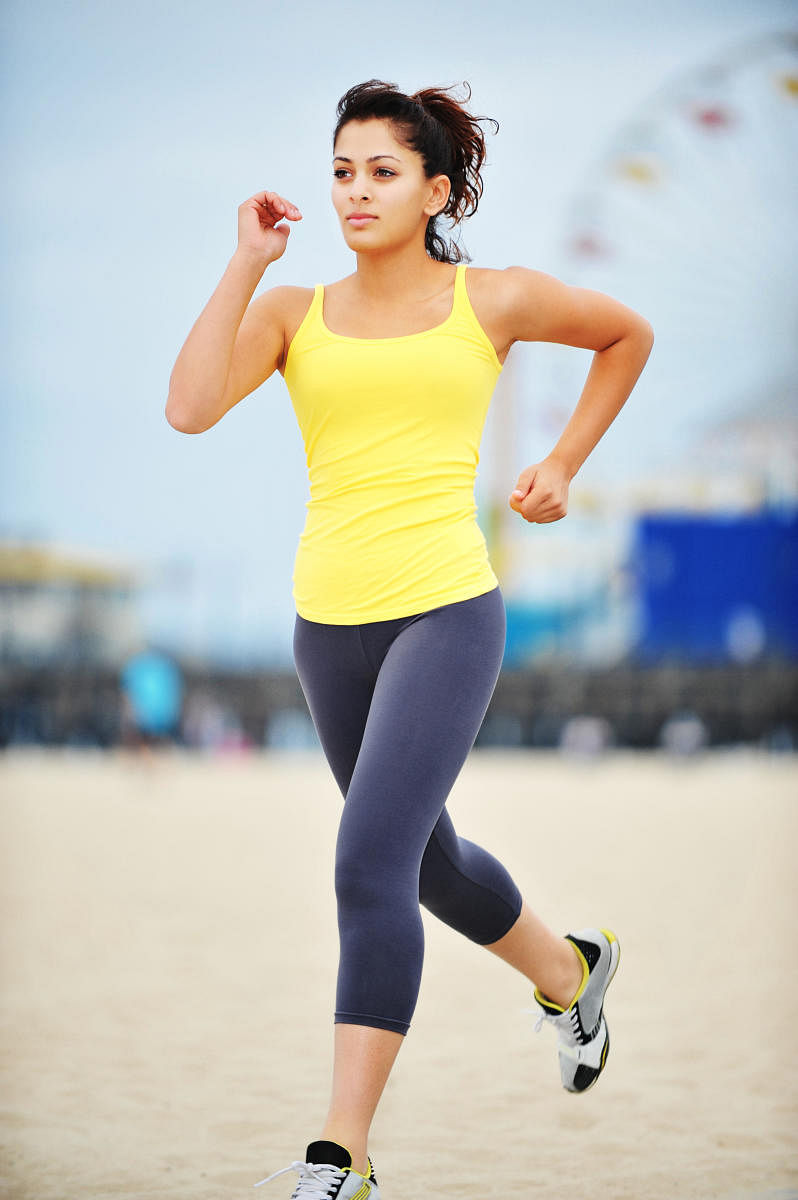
x=465, y=318
x=460, y=293
x=311, y=327
x=461, y=305
x=316, y=304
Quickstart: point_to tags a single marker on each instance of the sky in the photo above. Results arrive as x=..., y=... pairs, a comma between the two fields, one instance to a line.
x=130, y=136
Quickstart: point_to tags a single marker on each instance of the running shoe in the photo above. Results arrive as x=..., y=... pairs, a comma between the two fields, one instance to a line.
x=327, y=1175
x=582, y=1033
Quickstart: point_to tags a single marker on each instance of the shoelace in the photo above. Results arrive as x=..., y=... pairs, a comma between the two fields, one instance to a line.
x=315, y=1180
x=569, y=1027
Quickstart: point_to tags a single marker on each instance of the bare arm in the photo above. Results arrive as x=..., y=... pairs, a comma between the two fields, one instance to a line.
x=539, y=307
x=233, y=345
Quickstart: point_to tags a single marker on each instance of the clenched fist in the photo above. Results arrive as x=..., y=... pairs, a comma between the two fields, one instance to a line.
x=541, y=494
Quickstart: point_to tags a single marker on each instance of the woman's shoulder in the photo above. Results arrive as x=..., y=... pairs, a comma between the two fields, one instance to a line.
x=493, y=293
x=285, y=306
x=499, y=294
x=500, y=287
x=286, y=297
x=284, y=303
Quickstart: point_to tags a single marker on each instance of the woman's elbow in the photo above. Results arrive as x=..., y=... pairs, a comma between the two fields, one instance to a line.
x=648, y=329
x=180, y=419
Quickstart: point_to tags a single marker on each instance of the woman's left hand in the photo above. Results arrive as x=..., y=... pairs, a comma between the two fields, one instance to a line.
x=541, y=494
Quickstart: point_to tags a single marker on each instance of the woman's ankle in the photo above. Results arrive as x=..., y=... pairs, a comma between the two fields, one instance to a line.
x=564, y=981
x=355, y=1146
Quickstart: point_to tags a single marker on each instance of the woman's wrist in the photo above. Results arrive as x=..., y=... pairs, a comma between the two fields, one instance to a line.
x=564, y=462
x=253, y=261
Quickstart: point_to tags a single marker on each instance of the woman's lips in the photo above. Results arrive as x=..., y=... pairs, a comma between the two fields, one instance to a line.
x=360, y=219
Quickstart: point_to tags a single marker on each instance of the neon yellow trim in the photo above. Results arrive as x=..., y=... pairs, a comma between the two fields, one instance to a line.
x=545, y=1000
x=610, y=936
x=364, y=1192
x=585, y=975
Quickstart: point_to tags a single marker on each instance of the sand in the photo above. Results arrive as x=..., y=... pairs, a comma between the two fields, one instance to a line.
x=169, y=953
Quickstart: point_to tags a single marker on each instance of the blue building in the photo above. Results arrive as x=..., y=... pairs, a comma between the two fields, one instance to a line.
x=717, y=588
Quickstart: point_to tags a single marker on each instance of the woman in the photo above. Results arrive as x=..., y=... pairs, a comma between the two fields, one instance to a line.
x=400, y=622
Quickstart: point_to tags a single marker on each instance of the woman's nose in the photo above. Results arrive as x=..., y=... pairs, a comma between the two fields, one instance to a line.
x=358, y=191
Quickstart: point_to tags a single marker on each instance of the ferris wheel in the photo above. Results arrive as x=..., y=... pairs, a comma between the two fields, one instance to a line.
x=689, y=216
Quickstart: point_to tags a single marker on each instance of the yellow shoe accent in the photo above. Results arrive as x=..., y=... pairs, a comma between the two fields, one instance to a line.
x=585, y=976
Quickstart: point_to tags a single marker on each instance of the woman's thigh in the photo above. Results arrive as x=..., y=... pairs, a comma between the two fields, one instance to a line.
x=431, y=694
x=337, y=681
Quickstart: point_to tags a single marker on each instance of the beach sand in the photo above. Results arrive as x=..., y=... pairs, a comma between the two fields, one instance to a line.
x=169, y=951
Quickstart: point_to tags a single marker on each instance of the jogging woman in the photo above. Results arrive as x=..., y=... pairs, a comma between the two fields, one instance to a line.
x=400, y=622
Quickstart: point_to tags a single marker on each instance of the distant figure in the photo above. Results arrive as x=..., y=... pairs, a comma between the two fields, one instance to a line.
x=152, y=699
x=210, y=725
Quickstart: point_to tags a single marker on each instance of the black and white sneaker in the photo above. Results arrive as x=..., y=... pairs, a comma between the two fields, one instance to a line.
x=327, y=1175
x=582, y=1033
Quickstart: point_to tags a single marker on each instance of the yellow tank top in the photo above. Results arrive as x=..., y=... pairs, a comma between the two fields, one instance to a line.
x=391, y=429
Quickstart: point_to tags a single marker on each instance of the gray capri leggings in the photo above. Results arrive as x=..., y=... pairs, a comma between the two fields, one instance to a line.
x=397, y=705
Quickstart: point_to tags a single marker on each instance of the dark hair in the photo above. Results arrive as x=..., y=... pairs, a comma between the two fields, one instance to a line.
x=449, y=140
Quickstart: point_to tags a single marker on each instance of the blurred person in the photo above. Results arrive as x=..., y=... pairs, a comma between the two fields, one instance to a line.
x=211, y=725
x=152, y=698
x=204, y=721
x=400, y=622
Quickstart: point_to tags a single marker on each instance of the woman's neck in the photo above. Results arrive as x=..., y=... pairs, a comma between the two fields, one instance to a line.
x=397, y=273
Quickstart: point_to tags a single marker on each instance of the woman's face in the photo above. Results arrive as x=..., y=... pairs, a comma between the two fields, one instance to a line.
x=375, y=176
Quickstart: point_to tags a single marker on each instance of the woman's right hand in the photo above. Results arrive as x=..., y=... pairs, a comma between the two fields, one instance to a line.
x=258, y=231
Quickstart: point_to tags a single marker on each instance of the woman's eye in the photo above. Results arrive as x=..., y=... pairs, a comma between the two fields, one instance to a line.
x=341, y=172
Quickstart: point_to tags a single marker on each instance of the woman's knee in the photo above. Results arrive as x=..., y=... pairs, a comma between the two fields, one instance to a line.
x=376, y=876
x=469, y=890
x=357, y=885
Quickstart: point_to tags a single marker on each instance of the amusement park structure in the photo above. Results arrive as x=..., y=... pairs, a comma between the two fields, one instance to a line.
x=688, y=216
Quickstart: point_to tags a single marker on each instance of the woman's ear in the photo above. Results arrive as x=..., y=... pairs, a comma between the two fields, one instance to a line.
x=440, y=187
